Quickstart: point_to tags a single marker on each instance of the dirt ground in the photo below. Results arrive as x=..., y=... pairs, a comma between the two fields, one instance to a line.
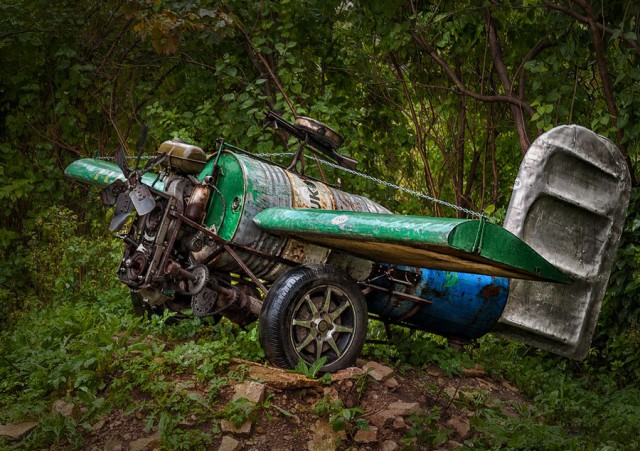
x=396, y=408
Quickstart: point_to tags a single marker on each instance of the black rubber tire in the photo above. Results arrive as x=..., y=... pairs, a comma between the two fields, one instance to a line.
x=339, y=322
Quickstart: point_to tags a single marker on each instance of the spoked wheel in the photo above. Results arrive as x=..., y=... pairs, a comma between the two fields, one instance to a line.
x=312, y=312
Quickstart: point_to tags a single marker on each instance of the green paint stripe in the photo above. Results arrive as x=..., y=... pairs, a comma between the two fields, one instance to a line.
x=462, y=238
x=102, y=173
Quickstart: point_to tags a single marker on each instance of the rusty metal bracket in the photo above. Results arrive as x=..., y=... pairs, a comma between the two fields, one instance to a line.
x=409, y=297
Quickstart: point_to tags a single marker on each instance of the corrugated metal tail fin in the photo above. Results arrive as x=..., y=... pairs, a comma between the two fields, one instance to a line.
x=569, y=203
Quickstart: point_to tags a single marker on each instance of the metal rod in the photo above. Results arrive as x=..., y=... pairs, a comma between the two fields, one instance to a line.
x=397, y=293
x=246, y=269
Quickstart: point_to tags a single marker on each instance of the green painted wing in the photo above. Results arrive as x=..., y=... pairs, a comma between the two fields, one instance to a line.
x=462, y=245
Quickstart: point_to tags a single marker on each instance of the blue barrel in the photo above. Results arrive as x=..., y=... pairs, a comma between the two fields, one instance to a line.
x=457, y=305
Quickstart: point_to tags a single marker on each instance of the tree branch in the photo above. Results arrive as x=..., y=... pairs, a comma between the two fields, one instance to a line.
x=501, y=69
x=585, y=20
x=462, y=89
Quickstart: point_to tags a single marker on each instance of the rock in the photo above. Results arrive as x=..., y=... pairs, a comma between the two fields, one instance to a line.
x=16, y=431
x=382, y=418
x=369, y=436
x=486, y=385
x=253, y=391
x=509, y=387
x=66, y=409
x=460, y=425
x=229, y=444
x=452, y=391
x=324, y=437
x=99, y=425
x=243, y=429
x=403, y=408
x=434, y=371
x=399, y=423
x=331, y=393
x=276, y=377
x=126, y=437
x=391, y=383
x=145, y=443
x=347, y=373
x=377, y=371
x=321, y=443
x=452, y=444
x=389, y=445
x=474, y=371
x=113, y=445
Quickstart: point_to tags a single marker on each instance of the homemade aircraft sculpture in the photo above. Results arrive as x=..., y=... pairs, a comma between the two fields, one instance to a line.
x=235, y=235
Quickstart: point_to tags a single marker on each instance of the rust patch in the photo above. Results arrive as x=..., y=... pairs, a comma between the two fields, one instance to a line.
x=489, y=292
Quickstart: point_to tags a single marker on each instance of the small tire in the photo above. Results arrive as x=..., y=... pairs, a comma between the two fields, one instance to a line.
x=310, y=312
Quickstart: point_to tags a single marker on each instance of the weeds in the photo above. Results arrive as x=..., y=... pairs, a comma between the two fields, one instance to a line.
x=340, y=417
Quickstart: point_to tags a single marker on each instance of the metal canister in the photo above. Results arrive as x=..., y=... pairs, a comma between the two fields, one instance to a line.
x=246, y=186
x=197, y=205
x=456, y=305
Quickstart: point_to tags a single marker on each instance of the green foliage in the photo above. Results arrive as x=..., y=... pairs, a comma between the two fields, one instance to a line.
x=567, y=396
x=313, y=369
x=425, y=430
x=79, y=78
x=617, y=339
x=416, y=349
x=341, y=418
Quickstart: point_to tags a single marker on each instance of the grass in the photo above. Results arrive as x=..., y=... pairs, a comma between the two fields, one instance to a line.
x=75, y=338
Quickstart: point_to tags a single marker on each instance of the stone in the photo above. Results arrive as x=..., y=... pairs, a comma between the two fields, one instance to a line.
x=99, y=425
x=229, y=444
x=369, y=436
x=452, y=391
x=243, y=429
x=460, y=425
x=253, y=391
x=331, y=393
x=399, y=423
x=382, y=418
x=389, y=445
x=276, y=378
x=452, y=444
x=434, y=371
x=391, y=383
x=377, y=371
x=146, y=443
x=403, y=408
x=509, y=387
x=113, y=445
x=16, y=431
x=486, y=385
x=321, y=443
x=66, y=409
x=347, y=373
x=474, y=371
x=324, y=437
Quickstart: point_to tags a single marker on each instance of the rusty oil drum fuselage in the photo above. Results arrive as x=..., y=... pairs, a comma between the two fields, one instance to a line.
x=453, y=304
x=246, y=186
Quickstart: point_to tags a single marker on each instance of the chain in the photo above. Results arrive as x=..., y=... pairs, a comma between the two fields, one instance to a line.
x=381, y=182
x=352, y=172
x=142, y=157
